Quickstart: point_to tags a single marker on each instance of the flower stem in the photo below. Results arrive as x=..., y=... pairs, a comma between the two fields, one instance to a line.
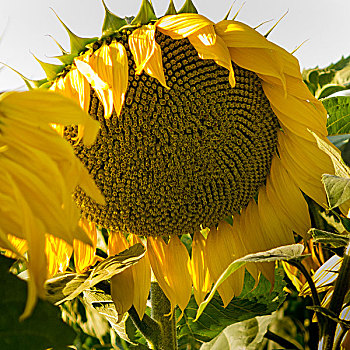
x=341, y=288
x=161, y=310
x=315, y=297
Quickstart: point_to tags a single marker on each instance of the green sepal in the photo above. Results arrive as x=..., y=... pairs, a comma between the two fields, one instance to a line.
x=66, y=59
x=58, y=44
x=46, y=85
x=31, y=84
x=111, y=23
x=51, y=70
x=77, y=44
x=145, y=15
x=229, y=11
x=171, y=9
x=188, y=7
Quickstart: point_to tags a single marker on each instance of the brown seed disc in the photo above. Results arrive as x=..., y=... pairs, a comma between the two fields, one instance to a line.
x=179, y=158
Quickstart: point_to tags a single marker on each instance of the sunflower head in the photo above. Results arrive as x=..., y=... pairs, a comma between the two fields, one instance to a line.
x=199, y=121
x=187, y=136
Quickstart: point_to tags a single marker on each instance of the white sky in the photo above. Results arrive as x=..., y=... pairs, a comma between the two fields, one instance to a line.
x=25, y=24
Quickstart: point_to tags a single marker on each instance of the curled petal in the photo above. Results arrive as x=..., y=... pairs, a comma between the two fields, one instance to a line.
x=211, y=46
x=147, y=53
x=182, y=25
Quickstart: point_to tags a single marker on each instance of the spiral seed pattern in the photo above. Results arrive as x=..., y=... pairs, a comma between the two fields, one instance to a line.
x=179, y=158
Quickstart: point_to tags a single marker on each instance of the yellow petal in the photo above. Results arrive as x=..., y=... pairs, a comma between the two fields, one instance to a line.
x=283, y=193
x=237, y=34
x=220, y=252
x=120, y=74
x=260, y=61
x=38, y=107
x=170, y=264
x=122, y=284
x=178, y=262
x=35, y=236
x=182, y=25
x=122, y=292
x=254, y=239
x=142, y=277
x=84, y=254
x=199, y=268
x=15, y=247
x=81, y=86
x=294, y=153
x=147, y=53
x=294, y=108
x=92, y=68
x=272, y=223
x=210, y=46
x=83, y=65
x=58, y=254
x=116, y=243
x=157, y=256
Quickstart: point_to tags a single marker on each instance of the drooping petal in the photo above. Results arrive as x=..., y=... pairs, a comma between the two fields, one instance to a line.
x=156, y=248
x=237, y=34
x=122, y=284
x=272, y=223
x=199, y=268
x=260, y=61
x=294, y=108
x=284, y=194
x=210, y=46
x=294, y=154
x=84, y=254
x=182, y=25
x=82, y=87
x=142, y=275
x=58, y=253
x=112, y=67
x=178, y=262
x=39, y=107
x=147, y=53
x=92, y=66
x=171, y=266
x=254, y=239
x=120, y=75
x=221, y=250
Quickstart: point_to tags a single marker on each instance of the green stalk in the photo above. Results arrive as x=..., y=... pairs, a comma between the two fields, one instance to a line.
x=342, y=285
x=161, y=309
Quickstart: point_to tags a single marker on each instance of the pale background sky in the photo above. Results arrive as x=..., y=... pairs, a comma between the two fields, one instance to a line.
x=25, y=24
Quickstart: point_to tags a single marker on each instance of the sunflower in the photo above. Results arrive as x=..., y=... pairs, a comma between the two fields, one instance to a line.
x=34, y=213
x=204, y=131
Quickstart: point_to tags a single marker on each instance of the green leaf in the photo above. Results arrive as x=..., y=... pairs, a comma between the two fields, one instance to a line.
x=188, y=7
x=111, y=23
x=242, y=335
x=103, y=303
x=338, y=109
x=333, y=239
x=103, y=271
x=43, y=329
x=171, y=9
x=51, y=70
x=328, y=90
x=339, y=141
x=281, y=253
x=337, y=189
x=254, y=301
x=77, y=44
x=145, y=15
x=339, y=167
